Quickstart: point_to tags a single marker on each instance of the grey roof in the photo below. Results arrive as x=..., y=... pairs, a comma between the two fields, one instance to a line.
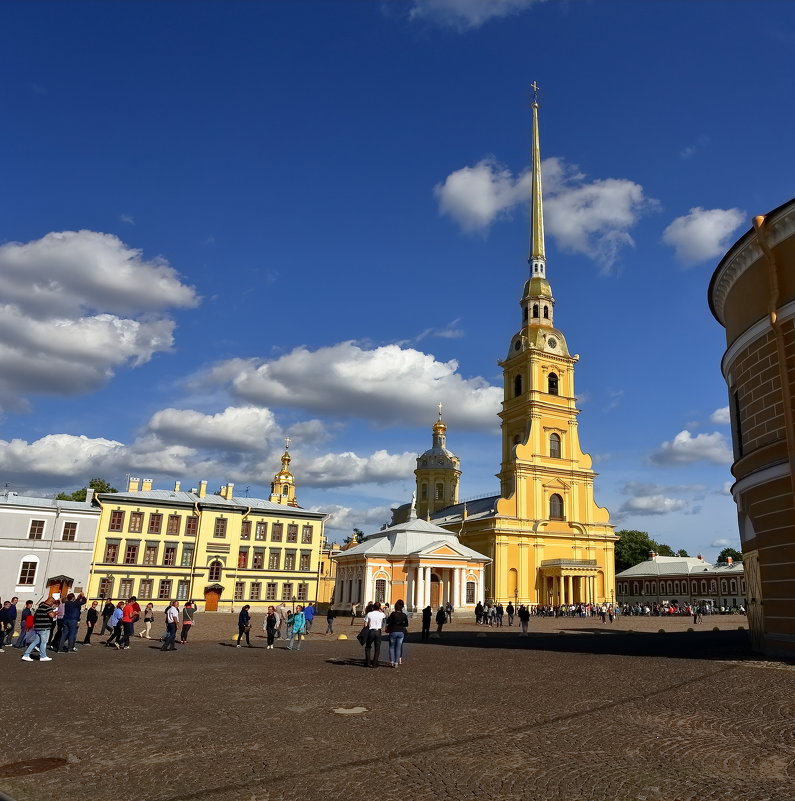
x=191, y=498
x=476, y=509
x=412, y=538
x=677, y=566
x=12, y=499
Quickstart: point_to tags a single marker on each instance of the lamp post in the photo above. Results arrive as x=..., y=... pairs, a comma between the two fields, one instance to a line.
x=293, y=599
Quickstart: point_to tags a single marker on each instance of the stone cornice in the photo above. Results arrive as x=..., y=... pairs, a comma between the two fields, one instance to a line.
x=779, y=224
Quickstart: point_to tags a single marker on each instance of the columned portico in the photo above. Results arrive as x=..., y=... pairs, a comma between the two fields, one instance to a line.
x=568, y=581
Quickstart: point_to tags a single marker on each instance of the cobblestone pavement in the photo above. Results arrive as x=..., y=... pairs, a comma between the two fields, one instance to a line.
x=596, y=712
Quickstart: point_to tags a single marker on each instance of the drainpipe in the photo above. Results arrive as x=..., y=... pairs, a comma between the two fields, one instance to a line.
x=198, y=513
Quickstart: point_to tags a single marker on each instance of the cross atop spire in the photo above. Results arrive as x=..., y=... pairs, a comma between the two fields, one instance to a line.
x=441, y=406
x=537, y=254
x=287, y=442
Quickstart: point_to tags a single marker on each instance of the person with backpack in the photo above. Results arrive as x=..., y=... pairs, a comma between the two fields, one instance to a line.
x=116, y=626
x=397, y=625
x=244, y=626
x=107, y=612
x=524, y=617
x=131, y=612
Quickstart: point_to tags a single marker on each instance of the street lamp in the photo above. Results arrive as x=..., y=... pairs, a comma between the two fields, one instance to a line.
x=294, y=599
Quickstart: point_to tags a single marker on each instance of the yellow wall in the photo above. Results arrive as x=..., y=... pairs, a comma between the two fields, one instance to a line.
x=191, y=573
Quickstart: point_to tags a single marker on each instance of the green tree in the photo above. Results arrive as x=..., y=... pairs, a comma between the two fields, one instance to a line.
x=682, y=552
x=96, y=484
x=633, y=548
x=355, y=538
x=727, y=552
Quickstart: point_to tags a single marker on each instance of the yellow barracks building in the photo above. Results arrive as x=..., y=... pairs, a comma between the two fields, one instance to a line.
x=546, y=539
x=219, y=550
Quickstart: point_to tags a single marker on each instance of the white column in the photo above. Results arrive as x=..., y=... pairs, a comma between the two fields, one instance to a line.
x=462, y=587
x=427, y=596
x=481, y=586
x=368, y=585
x=409, y=599
x=563, y=599
x=455, y=595
x=419, y=602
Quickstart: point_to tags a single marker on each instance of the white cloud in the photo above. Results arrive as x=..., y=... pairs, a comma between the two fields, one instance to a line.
x=651, y=505
x=246, y=428
x=721, y=416
x=389, y=385
x=346, y=518
x=721, y=543
x=127, y=218
x=589, y=218
x=74, y=306
x=684, y=448
x=343, y=469
x=702, y=234
x=464, y=15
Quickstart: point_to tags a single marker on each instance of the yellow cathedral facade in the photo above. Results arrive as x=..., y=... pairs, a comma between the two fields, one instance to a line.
x=547, y=540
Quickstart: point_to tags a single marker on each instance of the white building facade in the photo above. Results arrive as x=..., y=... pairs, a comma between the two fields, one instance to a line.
x=45, y=543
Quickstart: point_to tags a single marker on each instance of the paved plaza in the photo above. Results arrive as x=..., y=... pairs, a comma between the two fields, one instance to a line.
x=577, y=710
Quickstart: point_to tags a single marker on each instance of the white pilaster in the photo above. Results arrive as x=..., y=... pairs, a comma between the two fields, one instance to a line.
x=419, y=602
x=427, y=596
x=481, y=586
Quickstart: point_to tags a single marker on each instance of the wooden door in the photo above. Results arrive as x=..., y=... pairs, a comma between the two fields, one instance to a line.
x=436, y=592
x=211, y=598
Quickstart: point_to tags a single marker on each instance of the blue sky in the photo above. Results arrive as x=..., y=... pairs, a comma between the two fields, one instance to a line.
x=222, y=223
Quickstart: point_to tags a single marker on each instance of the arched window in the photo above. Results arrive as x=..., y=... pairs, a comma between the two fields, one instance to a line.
x=380, y=590
x=555, y=507
x=215, y=571
x=552, y=384
x=554, y=446
x=439, y=492
x=286, y=489
x=546, y=312
x=734, y=586
x=703, y=587
x=524, y=316
x=517, y=386
x=535, y=310
x=27, y=570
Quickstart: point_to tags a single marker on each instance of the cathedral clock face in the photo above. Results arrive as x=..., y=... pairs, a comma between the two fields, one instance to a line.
x=552, y=342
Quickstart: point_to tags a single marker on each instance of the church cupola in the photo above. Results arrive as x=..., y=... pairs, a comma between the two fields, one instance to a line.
x=437, y=473
x=283, y=484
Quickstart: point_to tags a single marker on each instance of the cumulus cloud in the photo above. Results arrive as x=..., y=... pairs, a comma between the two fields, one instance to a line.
x=246, y=428
x=75, y=306
x=651, y=505
x=342, y=469
x=592, y=218
x=721, y=416
x=684, y=448
x=721, y=543
x=702, y=234
x=463, y=15
x=346, y=518
x=388, y=385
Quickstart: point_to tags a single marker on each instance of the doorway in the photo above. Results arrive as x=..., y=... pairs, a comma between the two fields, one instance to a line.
x=436, y=591
x=211, y=597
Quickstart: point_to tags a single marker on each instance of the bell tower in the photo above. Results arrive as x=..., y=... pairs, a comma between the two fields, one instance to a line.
x=437, y=473
x=283, y=484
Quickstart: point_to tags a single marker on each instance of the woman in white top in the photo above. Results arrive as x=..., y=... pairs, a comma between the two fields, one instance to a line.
x=373, y=622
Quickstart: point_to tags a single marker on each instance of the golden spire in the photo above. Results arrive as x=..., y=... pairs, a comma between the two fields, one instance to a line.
x=537, y=255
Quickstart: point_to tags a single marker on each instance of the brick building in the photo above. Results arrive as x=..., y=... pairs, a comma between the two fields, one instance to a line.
x=752, y=294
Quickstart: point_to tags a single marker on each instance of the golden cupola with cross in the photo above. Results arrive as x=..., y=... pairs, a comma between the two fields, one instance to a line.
x=550, y=542
x=283, y=484
x=437, y=473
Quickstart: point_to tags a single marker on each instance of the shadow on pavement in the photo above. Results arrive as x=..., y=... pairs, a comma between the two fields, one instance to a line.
x=673, y=645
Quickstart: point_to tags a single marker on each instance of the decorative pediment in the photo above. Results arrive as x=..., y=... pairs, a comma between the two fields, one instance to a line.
x=444, y=549
x=556, y=485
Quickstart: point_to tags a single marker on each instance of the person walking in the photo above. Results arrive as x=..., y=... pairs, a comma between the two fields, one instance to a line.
x=5, y=622
x=129, y=615
x=71, y=620
x=510, y=610
x=42, y=620
x=373, y=622
x=12, y=622
x=478, y=612
x=353, y=614
x=56, y=629
x=330, y=615
x=448, y=610
x=172, y=618
x=116, y=624
x=92, y=616
x=524, y=617
x=244, y=625
x=149, y=619
x=24, y=625
x=309, y=615
x=282, y=612
x=397, y=625
x=441, y=619
x=107, y=612
x=271, y=623
x=298, y=629
x=188, y=612
x=427, y=613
